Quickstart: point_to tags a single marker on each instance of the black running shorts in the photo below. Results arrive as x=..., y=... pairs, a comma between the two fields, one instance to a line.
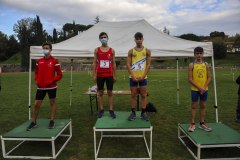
x=101, y=81
x=40, y=94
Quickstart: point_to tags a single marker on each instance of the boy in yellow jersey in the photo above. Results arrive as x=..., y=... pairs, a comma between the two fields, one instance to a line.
x=138, y=65
x=199, y=77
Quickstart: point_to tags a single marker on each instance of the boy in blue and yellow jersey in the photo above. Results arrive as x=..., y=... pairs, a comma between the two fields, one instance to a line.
x=199, y=77
x=138, y=65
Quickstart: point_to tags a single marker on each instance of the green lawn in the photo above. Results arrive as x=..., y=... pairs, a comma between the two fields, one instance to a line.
x=162, y=91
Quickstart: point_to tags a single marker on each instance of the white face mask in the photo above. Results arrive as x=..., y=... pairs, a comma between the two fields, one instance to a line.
x=104, y=41
x=45, y=52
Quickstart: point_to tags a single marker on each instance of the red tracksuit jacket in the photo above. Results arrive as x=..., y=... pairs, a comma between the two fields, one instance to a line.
x=45, y=73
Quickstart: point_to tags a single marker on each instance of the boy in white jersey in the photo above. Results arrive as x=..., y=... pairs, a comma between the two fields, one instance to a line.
x=138, y=65
x=199, y=77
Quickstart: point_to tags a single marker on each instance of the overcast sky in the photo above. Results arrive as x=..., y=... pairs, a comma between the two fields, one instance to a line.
x=199, y=17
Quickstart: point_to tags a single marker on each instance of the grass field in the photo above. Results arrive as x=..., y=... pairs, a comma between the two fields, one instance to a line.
x=162, y=93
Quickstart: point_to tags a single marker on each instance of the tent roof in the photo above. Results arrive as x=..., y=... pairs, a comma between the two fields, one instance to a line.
x=121, y=38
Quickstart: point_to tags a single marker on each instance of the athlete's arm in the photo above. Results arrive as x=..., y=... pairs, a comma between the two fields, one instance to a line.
x=208, y=76
x=114, y=66
x=129, y=66
x=148, y=64
x=94, y=65
x=59, y=72
x=36, y=72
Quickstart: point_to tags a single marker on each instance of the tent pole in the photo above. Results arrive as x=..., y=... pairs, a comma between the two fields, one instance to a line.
x=0, y=78
x=29, y=88
x=177, y=83
x=70, y=103
x=215, y=90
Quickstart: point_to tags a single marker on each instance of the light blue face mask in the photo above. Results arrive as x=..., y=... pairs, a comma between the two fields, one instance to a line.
x=45, y=52
x=104, y=41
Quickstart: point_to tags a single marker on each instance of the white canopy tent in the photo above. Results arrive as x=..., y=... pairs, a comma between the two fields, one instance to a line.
x=121, y=38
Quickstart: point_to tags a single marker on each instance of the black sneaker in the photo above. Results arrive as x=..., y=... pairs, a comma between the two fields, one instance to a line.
x=31, y=126
x=132, y=116
x=112, y=114
x=51, y=124
x=100, y=113
x=144, y=116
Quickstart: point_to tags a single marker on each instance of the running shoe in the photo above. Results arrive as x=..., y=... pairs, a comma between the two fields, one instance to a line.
x=205, y=127
x=191, y=128
x=31, y=126
x=144, y=116
x=100, y=113
x=132, y=116
x=51, y=124
x=112, y=114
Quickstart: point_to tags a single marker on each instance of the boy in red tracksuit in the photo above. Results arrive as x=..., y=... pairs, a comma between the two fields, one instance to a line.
x=47, y=73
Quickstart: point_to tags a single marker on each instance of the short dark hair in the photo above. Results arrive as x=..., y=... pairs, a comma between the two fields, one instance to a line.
x=102, y=33
x=138, y=35
x=198, y=49
x=48, y=44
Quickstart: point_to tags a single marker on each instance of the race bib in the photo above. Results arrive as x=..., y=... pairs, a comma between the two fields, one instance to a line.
x=138, y=66
x=104, y=64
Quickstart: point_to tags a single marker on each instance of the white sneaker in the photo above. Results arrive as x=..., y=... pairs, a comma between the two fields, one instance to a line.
x=205, y=127
x=191, y=128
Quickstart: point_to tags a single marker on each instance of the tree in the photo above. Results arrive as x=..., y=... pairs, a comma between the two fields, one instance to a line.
x=75, y=29
x=88, y=26
x=29, y=32
x=191, y=37
x=3, y=46
x=219, y=48
x=165, y=30
x=97, y=19
x=61, y=36
x=81, y=27
x=13, y=46
x=25, y=34
x=217, y=34
x=64, y=35
x=8, y=46
x=68, y=30
x=237, y=43
x=49, y=38
x=55, y=35
x=23, y=29
x=38, y=32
